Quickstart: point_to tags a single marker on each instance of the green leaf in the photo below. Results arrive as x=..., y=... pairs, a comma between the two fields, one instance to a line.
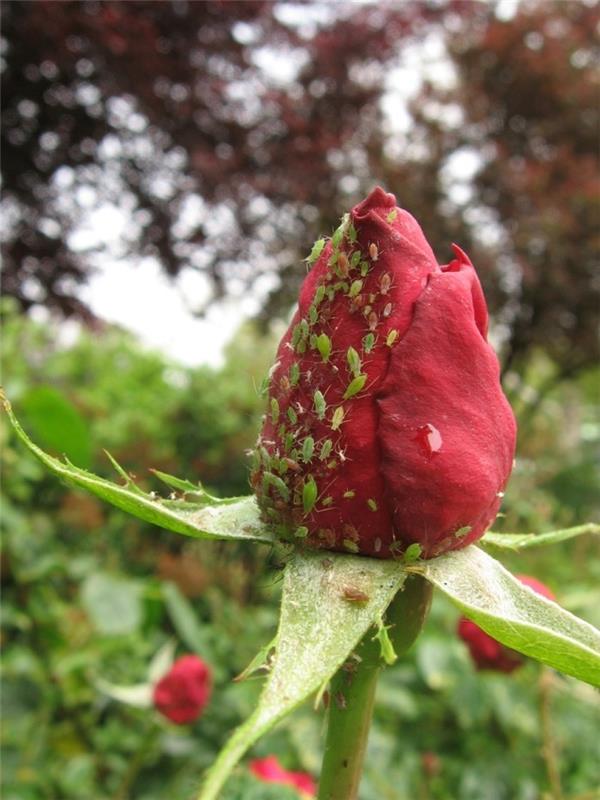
x=238, y=518
x=318, y=629
x=514, y=614
x=522, y=541
x=113, y=604
x=58, y=424
x=185, y=621
x=139, y=695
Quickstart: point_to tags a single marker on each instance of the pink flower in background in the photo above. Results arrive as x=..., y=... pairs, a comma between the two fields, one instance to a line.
x=485, y=651
x=270, y=770
x=182, y=694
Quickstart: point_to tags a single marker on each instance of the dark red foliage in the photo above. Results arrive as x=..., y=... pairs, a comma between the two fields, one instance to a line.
x=387, y=425
x=182, y=694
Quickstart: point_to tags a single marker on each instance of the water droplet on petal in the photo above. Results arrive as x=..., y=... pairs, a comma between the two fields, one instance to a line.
x=430, y=439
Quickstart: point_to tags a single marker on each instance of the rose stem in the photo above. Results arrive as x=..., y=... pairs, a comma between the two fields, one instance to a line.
x=352, y=693
x=549, y=750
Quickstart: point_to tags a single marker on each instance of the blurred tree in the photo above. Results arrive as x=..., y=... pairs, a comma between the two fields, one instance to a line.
x=228, y=134
x=222, y=130
x=527, y=124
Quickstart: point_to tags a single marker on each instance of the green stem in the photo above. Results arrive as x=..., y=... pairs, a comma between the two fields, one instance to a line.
x=353, y=688
x=350, y=710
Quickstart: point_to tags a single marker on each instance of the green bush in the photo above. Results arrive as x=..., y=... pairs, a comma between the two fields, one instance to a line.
x=91, y=594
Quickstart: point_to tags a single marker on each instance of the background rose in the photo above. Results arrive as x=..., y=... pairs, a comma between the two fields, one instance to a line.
x=182, y=694
x=270, y=770
x=386, y=422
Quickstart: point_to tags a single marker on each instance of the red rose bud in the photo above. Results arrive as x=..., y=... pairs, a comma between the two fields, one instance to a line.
x=485, y=651
x=183, y=692
x=270, y=770
x=386, y=425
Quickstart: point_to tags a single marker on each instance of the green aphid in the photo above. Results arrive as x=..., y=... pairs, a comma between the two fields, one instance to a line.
x=265, y=457
x=319, y=295
x=355, y=288
x=461, y=532
x=274, y=410
x=288, y=442
x=324, y=346
x=301, y=347
x=313, y=315
x=391, y=338
x=338, y=418
x=326, y=449
x=353, y=360
x=254, y=460
x=392, y=215
x=296, y=335
x=320, y=404
x=355, y=386
x=372, y=504
x=313, y=341
x=349, y=545
x=269, y=479
x=412, y=553
x=264, y=386
x=338, y=236
x=388, y=653
x=309, y=494
x=308, y=449
x=349, y=494
x=327, y=501
x=352, y=234
x=368, y=342
x=292, y=416
x=340, y=232
x=294, y=374
x=364, y=268
x=330, y=293
x=281, y=430
x=316, y=251
x=301, y=532
x=355, y=258
x=304, y=331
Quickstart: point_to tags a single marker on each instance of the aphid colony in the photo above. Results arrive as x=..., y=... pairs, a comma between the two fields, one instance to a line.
x=314, y=391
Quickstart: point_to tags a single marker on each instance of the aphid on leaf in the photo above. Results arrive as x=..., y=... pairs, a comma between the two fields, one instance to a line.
x=354, y=595
x=373, y=251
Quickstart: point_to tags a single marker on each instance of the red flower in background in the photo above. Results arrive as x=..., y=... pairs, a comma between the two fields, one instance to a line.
x=184, y=691
x=270, y=770
x=386, y=422
x=485, y=651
